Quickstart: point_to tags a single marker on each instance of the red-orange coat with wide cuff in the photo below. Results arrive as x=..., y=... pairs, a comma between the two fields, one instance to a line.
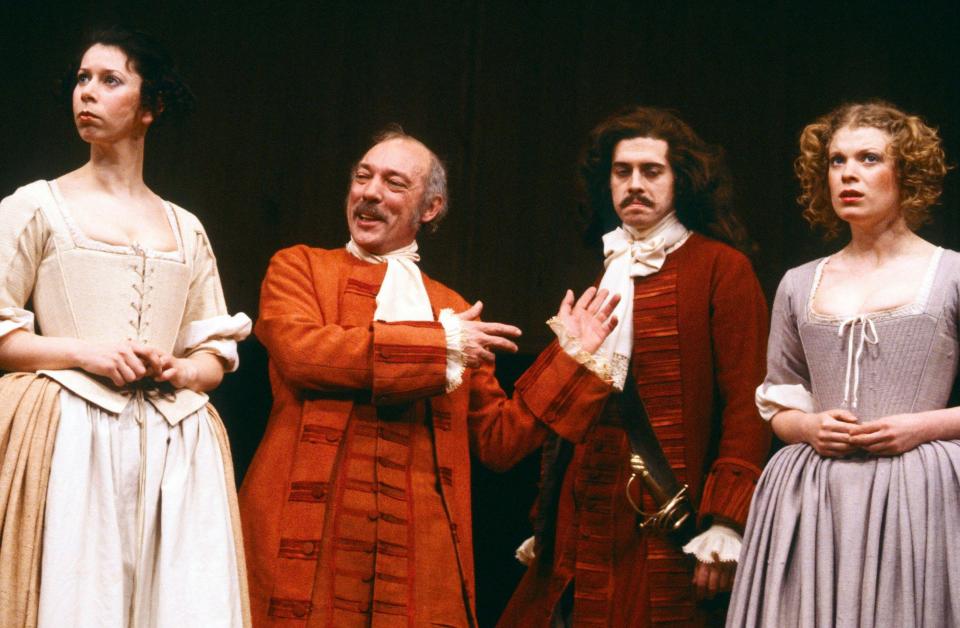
x=700, y=329
x=359, y=493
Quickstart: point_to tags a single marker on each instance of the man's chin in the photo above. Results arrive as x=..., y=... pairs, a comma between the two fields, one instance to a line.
x=639, y=222
x=363, y=237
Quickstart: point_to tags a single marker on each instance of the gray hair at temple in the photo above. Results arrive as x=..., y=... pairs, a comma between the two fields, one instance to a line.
x=434, y=182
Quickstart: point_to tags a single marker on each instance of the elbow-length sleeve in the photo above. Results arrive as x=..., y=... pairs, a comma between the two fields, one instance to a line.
x=206, y=324
x=787, y=385
x=23, y=236
x=738, y=324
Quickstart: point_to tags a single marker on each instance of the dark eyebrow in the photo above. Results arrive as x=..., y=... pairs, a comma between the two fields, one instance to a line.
x=642, y=164
x=104, y=70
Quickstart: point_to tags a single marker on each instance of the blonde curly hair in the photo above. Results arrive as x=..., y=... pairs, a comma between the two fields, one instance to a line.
x=918, y=156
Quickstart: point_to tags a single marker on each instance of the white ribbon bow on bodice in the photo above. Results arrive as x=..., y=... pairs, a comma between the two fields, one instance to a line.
x=868, y=335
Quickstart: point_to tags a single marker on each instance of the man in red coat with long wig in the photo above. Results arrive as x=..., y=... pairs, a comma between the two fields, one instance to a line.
x=356, y=507
x=692, y=332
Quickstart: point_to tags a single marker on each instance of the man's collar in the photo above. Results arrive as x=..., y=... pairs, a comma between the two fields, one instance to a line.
x=404, y=252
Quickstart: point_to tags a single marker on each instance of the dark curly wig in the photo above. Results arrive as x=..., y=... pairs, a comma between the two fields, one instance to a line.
x=915, y=147
x=702, y=186
x=163, y=92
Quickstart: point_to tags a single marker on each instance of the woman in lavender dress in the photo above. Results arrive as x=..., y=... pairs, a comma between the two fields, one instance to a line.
x=854, y=522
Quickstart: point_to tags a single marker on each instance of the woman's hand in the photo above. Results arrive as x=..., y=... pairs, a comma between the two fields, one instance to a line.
x=180, y=372
x=889, y=436
x=200, y=371
x=827, y=432
x=122, y=362
x=591, y=318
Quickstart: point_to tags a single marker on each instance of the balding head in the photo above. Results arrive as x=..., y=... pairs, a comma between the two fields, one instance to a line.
x=389, y=194
x=435, y=177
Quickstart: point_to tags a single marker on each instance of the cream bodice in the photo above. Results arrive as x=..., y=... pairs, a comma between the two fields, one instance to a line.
x=82, y=288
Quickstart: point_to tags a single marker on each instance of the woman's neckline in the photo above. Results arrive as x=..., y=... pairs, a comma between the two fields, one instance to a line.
x=81, y=239
x=916, y=305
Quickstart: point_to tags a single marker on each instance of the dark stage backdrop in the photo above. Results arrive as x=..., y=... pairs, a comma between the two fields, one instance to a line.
x=290, y=94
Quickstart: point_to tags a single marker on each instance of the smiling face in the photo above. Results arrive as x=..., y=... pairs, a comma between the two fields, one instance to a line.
x=385, y=205
x=106, y=100
x=863, y=176
x=641, y=181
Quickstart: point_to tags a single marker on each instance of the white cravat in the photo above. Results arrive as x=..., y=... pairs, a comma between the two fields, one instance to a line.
x=631, y=253
x=402, y=296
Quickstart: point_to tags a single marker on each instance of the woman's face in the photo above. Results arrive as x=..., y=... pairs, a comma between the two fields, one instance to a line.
x=863, y=176
x=106, y=99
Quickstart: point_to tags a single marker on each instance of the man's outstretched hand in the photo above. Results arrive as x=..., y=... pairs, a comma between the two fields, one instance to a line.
x=481, y=339
x=591, y=318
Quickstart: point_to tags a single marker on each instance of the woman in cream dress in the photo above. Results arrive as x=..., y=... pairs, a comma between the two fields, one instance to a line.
x=855, y=521
x=117, y=502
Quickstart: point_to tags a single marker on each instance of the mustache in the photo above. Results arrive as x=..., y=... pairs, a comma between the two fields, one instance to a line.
x=634, y=197
x=369, y=208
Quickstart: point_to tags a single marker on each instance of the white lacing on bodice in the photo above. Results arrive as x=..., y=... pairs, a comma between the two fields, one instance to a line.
x=868, y=334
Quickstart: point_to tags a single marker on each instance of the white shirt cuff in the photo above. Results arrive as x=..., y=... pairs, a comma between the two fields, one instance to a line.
x=12, y=318
x=719, y=544
x=218, y=335
x=456, y=361
x=772, y=398
x=525, y=553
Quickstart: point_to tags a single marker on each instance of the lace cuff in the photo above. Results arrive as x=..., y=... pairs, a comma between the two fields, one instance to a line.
x=772, y=398
x=456, y=362
x=571, y=346
x=218, y=335
x=718, y=544
x=12, y=318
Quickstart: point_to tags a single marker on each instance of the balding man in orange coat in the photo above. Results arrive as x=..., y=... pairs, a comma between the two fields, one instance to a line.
x=356, y=508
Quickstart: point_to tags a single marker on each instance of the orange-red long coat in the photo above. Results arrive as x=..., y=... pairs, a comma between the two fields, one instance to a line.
x=334, y=374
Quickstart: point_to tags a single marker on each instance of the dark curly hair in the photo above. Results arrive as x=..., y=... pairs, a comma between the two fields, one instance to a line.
x=702, y=186
x=163, y=91
x=918, y=156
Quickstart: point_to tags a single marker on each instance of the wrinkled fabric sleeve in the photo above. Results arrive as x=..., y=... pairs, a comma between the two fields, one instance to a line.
x=738, y=329
x=787, y=385
x=555, y=394
x=23, y=234
x=206, y=326
x=396, y=362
